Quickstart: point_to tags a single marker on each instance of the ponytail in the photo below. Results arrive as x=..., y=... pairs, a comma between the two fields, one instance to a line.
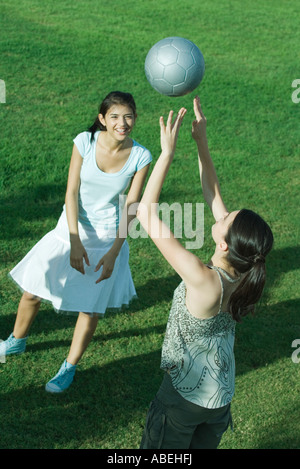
x=95, y=127
x=248, y=293
x=249, y=240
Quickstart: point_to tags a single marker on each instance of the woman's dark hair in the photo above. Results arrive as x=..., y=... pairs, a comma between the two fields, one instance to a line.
x=113, y=98
x=249, y=239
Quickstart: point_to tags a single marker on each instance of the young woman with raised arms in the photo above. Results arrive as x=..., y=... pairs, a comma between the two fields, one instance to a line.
x=192, y=407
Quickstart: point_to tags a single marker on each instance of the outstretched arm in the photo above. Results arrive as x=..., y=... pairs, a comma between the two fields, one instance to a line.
x=208, y=176
x=186, y=264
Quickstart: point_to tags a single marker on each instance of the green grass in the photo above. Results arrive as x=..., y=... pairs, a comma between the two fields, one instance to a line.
x=58, y=60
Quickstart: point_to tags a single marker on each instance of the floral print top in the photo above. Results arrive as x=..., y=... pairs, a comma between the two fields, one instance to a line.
x=198, y=353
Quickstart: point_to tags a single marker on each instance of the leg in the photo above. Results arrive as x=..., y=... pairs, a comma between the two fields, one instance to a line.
x=27, y=311
x=83, y=333
x=205, y=438
x=170, y=422
x=162, y=431
x=208, y=435
x=28, y=308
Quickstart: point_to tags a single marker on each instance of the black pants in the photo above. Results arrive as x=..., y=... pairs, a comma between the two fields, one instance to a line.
x=175, y=423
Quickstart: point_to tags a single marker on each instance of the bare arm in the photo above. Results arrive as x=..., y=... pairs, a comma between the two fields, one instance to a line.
x=208, y=176
x=186, y=264
x=78, y=253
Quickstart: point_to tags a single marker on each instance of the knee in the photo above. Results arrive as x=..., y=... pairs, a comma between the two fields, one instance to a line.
x=92, y=322
x=87, y=322
x=31, y=298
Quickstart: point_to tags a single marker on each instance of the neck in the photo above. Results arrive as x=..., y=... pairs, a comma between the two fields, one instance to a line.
x=110, y=144
x=219, y=260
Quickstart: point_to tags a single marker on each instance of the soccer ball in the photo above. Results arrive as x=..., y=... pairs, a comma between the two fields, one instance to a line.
x=174, y=66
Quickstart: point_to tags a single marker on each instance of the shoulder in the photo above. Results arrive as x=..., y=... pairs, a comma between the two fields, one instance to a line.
x=84, y=136
x=204, y=294
x=205, y=277
x=140, y=149
x=141, y=154
x=83, y=142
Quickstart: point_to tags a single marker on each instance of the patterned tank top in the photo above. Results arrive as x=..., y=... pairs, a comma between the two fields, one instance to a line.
x=198, y=353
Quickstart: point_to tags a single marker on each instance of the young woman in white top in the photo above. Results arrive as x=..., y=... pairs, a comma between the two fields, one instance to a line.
x=82, y=265
x=192, y=406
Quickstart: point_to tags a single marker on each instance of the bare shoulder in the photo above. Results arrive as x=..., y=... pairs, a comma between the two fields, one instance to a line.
x=203, y=295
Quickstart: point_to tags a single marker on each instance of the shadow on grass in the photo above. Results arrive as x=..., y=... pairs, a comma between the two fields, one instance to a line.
x=260, y=339
x=268, y=335
x=101, y=406
x=36, y=203
x=105, y=407
x=109, y=403
x=279, y=262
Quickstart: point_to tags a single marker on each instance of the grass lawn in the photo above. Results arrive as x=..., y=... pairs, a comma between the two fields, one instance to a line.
x=58, y=60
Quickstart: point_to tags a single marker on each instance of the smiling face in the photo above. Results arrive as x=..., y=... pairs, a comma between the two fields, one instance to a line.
x=119, y=121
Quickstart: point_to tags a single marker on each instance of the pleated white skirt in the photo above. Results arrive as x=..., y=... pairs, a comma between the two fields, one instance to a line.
x=46, y=272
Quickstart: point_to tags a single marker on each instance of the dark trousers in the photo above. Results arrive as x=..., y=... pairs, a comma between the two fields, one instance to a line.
x=175, y=423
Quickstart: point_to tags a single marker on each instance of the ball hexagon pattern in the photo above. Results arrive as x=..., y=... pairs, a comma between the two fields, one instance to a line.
x=174, y=66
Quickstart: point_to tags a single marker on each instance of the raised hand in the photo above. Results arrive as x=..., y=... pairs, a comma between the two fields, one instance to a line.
x=169, y=132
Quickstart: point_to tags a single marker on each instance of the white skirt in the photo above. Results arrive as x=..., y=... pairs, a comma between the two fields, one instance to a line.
x=46, y=272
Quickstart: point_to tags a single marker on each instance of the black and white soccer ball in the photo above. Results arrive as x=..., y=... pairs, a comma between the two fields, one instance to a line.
x=174, y=66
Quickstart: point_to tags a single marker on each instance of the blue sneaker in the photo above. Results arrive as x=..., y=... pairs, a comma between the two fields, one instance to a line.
x=62, y=379
x=12, y=346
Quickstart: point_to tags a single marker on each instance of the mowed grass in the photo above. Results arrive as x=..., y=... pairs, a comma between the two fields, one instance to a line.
x=58, y=60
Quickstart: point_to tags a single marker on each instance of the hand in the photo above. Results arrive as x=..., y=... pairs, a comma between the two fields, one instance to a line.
x=77, y=254
x=108, y=263
x=169, y=133
x=199, y=125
